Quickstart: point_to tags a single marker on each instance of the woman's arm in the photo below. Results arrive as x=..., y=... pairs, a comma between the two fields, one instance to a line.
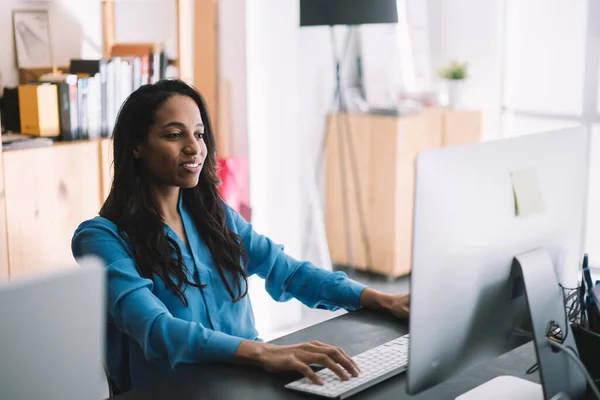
x=286, y=277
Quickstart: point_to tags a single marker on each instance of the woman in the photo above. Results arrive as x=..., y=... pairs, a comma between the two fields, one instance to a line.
x=178, y=258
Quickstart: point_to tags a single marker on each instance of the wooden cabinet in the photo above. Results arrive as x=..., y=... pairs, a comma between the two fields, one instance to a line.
x=374, y=170
x=49, y=191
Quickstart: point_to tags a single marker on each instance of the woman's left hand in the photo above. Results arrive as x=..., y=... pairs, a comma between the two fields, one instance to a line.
x=400, y=305
x=397, y=304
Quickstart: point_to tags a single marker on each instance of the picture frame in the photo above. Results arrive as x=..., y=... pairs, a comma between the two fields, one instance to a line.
x=31, y=30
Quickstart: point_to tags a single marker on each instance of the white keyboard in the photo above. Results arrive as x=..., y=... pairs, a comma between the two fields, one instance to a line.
x=376, y=365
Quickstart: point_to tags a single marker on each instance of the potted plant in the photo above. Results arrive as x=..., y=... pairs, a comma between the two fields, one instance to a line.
x=454, y=74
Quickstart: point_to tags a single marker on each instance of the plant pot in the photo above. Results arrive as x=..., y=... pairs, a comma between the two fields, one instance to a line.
x=455, y=89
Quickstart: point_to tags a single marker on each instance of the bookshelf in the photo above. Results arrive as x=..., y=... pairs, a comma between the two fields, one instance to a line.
x=46, y=192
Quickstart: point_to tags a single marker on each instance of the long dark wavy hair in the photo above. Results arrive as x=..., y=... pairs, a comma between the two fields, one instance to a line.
x=130, y=205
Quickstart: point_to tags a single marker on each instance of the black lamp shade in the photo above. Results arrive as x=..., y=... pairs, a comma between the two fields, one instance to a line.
x=347, y=12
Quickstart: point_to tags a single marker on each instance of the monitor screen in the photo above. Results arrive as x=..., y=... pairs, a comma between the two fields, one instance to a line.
x=347, y=12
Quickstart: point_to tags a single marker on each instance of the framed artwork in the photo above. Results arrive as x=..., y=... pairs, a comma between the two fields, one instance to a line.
x=32, y=38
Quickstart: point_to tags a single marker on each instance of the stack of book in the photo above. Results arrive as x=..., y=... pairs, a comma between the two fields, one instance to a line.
x=92, y=92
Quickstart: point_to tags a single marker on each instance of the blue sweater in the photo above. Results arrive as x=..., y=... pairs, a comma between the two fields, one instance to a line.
x=150, y=332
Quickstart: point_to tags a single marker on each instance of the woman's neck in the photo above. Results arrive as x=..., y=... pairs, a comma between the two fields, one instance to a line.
x=167, y=200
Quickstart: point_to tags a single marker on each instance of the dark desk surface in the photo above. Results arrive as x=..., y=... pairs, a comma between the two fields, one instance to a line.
x=354, y=332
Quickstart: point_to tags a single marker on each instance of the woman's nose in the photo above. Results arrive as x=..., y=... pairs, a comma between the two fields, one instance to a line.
x=192, y=147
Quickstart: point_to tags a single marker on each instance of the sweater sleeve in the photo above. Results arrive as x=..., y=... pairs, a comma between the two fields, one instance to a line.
x=136, y=311
x=286, y=277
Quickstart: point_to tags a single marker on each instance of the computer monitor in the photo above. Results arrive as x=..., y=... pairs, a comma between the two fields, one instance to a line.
x=52, y=335
x=477, y=206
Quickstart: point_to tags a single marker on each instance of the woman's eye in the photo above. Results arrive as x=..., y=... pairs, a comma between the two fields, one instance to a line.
x=200, y=135
x=173, y=135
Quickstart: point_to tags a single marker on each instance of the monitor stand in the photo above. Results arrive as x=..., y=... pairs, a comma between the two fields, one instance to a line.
x=559, y=375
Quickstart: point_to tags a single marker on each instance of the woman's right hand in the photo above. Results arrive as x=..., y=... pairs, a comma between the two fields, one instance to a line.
x=274, y=358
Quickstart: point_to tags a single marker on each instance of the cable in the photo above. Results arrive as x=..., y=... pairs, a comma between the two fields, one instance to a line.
x=532, y=369
x=535, y=366
x=575, y=310
x=571, y=353
x=566, y=326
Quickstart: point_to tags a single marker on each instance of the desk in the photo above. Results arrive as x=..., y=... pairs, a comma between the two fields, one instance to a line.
x=355, y=332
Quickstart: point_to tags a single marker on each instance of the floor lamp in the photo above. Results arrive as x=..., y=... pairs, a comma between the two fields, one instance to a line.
x=348, y=13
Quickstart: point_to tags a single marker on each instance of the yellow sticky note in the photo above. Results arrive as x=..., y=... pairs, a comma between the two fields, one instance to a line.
x=529, y=199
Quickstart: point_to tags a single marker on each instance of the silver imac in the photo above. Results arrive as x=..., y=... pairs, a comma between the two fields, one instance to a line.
x=497, y=226
x=52, y=335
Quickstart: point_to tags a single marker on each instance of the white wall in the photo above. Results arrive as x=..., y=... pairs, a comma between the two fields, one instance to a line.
x=147, y=21
x=274, y=133
x=76, y=28
x=75, y=32
x=232, y=77
x=316, y=84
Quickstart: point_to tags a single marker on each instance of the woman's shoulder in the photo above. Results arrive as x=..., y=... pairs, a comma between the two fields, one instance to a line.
x=96, y=227
x=232, y=217
x=99, y=237
x=98, y=222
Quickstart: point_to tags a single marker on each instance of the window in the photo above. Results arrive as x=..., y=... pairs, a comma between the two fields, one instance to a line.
x=549, y=47
x=545, y=43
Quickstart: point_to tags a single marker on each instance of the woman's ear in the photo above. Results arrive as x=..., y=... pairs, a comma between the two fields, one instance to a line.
x=136, y=152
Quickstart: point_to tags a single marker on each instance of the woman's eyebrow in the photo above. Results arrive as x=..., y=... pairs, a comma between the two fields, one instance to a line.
x=180, y=125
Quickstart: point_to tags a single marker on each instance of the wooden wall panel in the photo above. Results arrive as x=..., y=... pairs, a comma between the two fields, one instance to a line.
x=206, y=56
x=185, y=39
x=108, y=27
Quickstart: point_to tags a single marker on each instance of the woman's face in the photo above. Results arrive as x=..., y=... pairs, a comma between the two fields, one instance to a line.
x=174, y=152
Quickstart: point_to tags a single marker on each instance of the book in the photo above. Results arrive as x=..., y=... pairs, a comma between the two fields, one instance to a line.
x=82, y=108
x=10, y=110
x=67, y=99
x=12, y=141
x=96, y=68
